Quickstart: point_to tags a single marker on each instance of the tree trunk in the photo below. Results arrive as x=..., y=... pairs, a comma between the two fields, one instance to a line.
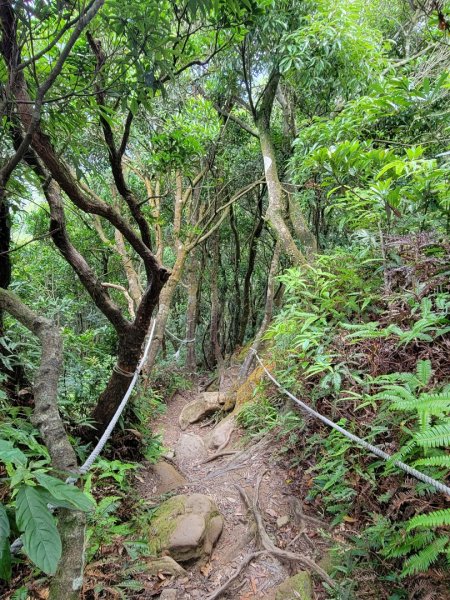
x=5, y=265
x=268, y=312
x=193, y=276
x=235, y=306
x=68, y=580
x=165, y=301
x=215, y=353
x=253, y=245
x=275, y=210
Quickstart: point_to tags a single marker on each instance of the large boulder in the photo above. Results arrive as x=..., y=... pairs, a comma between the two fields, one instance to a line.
x=203, y=406
x=298, y=587
x=185, y=527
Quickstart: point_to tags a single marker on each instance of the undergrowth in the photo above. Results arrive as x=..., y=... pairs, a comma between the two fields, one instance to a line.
x=364, y=343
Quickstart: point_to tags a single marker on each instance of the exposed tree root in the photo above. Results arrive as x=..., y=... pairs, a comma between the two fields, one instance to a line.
x=218, y=455
x=270, y=546
x=219, y=452
x=247, y=560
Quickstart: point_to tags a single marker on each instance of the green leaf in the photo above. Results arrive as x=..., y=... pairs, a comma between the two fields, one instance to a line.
x=9, y=454
x=64, y=492
x=5, y=554
x=4, y=523
x=437, y=518
x=40, y=537
x=5, y=560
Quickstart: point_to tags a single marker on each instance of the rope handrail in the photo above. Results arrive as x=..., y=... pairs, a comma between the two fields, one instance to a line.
x=441, y=487
x=17, y=544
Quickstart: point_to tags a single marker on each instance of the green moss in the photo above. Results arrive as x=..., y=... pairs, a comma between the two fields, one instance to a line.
x=298, y=586
x=164, y=522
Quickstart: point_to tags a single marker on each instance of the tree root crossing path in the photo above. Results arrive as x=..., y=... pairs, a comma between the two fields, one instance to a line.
x=263, y=544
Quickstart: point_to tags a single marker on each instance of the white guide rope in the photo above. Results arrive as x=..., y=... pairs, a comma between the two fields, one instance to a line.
x=374, y=449
x=17, y=544
x=107, y=433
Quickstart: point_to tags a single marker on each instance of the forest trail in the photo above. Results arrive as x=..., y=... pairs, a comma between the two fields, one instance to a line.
x=184, y=470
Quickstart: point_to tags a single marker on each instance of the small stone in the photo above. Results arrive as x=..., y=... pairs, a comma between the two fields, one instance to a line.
x=221, y=432
x=168, y=477
x=165, y=565
x=189, y=447
x=282, y=521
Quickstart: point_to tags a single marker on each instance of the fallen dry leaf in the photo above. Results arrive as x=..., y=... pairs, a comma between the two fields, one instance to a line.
x=206, y=569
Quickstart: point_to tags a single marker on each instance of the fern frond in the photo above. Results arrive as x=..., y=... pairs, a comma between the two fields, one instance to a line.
x=424, y=371
x=437, y=518
x=436, y=436
x=412, y=542
x=434, y=461
x=435, y=404
x=421, y=561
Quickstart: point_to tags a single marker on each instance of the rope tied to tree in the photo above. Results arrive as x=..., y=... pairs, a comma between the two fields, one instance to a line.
x=120, y=371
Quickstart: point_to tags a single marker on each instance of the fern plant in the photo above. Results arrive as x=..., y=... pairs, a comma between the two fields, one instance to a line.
x=421, y=540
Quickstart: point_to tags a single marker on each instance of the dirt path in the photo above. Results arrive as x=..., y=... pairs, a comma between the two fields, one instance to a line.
x=281, y=512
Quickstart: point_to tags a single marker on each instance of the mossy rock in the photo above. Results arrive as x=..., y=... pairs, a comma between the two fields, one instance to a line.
x=185, y=527
x=298, y=587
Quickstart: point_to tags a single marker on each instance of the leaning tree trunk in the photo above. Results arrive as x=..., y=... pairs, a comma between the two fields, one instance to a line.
x=268, y=312
x=68, y=580
x=275, y=209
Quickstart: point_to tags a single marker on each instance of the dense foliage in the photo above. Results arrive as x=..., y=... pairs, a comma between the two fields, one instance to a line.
x=255, y=176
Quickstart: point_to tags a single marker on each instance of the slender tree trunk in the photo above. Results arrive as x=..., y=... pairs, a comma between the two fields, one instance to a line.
x=235, y=306
x=253, y=246
x=268, y=313
x=5, y=264
x=165, y=302
x=215, y=353
x=68, y=580
x=193, y=278
x=134, y=285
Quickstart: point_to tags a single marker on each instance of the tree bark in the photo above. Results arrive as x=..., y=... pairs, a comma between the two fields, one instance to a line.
x=275, y=210
x=235, y=307
x=68, y=580
x=193, y=279
x=165, y=302
x=253, y=246
x=215, y=354
x=268, y=313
